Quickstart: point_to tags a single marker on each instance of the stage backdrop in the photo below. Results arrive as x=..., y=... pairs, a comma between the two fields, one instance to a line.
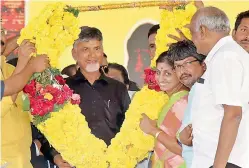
x=125, y=30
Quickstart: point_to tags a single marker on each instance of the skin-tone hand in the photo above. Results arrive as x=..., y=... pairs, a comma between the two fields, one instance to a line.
x=186, y=136
x=11, y=45
x=180, y=38
x=38, y=144
x=16, y=82
x=198, y=4
x=147, y=125
x=60, y=162
x=39, y=63
x=24, y=52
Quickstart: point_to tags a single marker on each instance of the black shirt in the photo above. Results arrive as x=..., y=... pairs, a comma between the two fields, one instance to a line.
x=103, y=104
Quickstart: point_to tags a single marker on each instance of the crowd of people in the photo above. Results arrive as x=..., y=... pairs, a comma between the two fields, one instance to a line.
x=203, y=125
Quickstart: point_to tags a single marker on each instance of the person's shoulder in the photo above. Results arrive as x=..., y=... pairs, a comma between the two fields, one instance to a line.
x=115, y=83
x=70, y=81
x=233, y=48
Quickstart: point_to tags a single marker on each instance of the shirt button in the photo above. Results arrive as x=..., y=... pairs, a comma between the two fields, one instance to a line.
x=93, y=102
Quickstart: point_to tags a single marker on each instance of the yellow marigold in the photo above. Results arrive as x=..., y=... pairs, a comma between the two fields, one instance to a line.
x=52, y=24
x=68, y=131
x=48, y=96
x=169, y=22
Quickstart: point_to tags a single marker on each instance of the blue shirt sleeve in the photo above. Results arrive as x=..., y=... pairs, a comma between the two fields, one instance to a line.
x=187, y=114
x=2, y=89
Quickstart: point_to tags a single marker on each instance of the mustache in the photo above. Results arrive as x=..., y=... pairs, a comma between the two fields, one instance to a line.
x=245, y=40
x=185, y=75
x=2, y=43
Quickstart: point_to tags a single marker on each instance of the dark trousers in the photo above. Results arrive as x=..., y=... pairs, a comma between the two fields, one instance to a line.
x=230, y=165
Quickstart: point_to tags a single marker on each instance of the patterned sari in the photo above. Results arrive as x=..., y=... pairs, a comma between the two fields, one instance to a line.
x=169, y=121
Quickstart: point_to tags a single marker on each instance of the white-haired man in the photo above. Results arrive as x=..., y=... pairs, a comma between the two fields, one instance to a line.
x=222, y=94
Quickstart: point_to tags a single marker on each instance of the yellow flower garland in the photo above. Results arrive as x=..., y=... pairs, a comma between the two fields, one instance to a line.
x=52, y=31
x=170, y=20
x=67, y=130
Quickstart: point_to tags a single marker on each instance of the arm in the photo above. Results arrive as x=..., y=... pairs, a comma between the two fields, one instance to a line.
x=228, y=133
x=11, y=45
x=186, y=136
x=169, y=142
x=227, y=93
x=15, y=83
x=148, y=126
x=24, y=52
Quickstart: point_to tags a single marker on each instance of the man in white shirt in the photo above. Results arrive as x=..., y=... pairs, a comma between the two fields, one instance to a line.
x=220, y=105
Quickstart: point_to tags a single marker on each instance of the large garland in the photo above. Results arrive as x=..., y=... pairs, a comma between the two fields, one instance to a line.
x=66, y=128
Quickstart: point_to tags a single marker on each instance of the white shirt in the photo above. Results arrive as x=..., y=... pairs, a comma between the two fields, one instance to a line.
x=226, y=81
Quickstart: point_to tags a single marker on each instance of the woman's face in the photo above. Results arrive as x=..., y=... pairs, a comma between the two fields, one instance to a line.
x=166, y=77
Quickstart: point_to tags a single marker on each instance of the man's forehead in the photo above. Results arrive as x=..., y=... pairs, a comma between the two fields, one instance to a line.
x=245, y=22
x=152, y=37
x=92, y=42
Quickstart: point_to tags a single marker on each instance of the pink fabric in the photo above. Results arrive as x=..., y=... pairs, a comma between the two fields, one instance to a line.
x=170, y=125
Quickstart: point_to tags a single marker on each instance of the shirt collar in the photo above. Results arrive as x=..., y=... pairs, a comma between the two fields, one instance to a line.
x=216, y=47
x=80, y=77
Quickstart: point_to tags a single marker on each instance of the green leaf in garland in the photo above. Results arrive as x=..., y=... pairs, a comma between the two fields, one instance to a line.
x=58, y=107
x=72, y=10
x=55, y=71
x=181, y=7
x=39, y=119
x=26, y=103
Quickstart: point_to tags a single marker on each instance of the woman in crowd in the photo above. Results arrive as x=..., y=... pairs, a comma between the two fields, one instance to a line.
x=167, y=150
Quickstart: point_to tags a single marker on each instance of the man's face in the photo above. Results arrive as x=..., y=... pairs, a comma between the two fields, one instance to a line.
x=152, y=45
x=3, y=40
x=189, y=70
x=115, y=74
x=89, y=55
x=197, y=38
x=241, y=35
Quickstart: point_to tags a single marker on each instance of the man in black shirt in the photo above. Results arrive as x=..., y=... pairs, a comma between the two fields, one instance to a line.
x=104, y=101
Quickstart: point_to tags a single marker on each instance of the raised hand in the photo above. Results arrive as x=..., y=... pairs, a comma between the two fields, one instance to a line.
x=25, y=50
x=39, y=63
x=147, y=125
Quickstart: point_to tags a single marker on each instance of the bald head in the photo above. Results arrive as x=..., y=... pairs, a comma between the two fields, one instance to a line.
x=212, y=18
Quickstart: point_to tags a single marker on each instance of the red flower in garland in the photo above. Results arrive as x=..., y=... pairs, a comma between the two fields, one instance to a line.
x=30, y=88
x=40, y=106
x=60, y=80
x=150, y=79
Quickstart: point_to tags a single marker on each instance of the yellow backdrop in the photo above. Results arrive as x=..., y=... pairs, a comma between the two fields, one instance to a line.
x=116, y=24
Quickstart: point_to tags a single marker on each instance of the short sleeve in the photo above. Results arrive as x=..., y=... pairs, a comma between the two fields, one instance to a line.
x=226, y=79
x=2, y=89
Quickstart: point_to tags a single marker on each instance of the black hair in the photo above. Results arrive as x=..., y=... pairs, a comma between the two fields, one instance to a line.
x=165, y=58
x=184, y=49
x=123, y=71
x=239, y=18
x=68, y=70
x=153, y=30
x=90, y=33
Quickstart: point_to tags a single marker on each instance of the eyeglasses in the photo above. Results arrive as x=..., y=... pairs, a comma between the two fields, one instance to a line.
x=185, y=64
